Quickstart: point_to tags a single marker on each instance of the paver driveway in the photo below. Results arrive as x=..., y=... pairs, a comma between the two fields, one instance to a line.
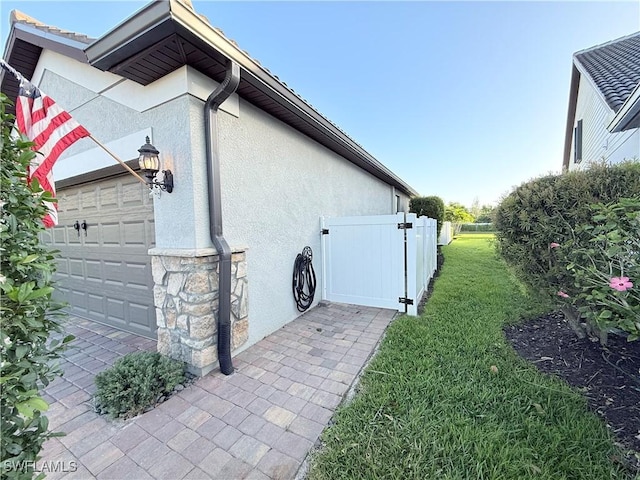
x=257, y=423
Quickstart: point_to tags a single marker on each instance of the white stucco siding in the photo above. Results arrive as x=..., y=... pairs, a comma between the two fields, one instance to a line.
x=276, y=184
x=597, y=142
x=177, y=215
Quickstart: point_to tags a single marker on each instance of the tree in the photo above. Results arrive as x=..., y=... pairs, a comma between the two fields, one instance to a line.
x=432, y=207
x=485, y=214
x=457, y=214
x=28, y=312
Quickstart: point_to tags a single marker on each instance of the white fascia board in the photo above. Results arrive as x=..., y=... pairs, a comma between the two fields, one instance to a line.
x=128, y=93
x=96, y=158
x=627, y=112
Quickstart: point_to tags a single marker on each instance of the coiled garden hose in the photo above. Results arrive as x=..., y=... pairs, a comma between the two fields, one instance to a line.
x=304, y=280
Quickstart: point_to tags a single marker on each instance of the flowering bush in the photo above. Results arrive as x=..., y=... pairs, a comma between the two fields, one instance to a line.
x=603, y=262
x=28, y=313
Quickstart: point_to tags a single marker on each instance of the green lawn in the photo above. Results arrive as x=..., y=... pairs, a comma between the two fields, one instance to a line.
x=429, y=405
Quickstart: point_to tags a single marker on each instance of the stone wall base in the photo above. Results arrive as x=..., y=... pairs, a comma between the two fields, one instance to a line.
x=186, y=299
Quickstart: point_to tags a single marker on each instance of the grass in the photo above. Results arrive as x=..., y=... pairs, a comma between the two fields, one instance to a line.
x=429, y=405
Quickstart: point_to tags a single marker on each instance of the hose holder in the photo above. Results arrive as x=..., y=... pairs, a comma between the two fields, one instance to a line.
x=304, y=279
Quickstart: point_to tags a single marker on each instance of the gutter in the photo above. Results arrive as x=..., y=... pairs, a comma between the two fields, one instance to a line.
x=217, y=97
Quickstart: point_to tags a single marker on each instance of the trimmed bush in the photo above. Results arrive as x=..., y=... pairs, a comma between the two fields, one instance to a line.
x=136, y=382
x=548, y=209
x=559, y=210
x=432, y=207
x=29, y=316
x=476, y=227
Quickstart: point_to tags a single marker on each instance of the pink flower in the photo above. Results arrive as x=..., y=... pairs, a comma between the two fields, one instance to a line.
x=620, y=283
x=554, y=245
x=562, y=294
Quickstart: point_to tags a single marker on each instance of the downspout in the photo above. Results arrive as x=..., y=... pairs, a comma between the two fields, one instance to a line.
x=217, y=97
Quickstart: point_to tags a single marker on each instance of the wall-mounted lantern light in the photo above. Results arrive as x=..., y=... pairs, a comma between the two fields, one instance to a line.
x=150, y=166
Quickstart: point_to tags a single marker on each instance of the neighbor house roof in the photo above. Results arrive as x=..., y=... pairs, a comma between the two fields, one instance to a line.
x=613, y=69
x=166, y=35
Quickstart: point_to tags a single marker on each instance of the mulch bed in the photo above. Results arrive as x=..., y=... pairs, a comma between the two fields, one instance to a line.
x=608, y=376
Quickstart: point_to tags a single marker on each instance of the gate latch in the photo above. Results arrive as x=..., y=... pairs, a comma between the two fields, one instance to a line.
x=406, y=301
x=405, y=226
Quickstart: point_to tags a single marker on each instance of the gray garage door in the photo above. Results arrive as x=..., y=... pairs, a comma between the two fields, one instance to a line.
x=104, y=272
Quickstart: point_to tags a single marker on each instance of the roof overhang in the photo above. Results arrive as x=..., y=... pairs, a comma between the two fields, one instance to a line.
x=628, y=116
x=571, y=116
x=22, y=52
x=166, y=35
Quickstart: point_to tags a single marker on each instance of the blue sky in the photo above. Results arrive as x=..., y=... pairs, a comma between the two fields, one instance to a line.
x=461, y=99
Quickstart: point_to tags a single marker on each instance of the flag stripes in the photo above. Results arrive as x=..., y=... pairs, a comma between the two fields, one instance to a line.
x=53, y=131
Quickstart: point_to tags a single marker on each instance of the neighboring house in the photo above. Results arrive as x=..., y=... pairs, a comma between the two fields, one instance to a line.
x=604, y=104
x=151, y=265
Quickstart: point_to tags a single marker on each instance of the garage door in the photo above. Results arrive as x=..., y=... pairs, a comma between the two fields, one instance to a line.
x=104, y=270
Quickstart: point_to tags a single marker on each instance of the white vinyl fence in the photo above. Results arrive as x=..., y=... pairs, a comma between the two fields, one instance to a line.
x=446, y=234
x=382, y=261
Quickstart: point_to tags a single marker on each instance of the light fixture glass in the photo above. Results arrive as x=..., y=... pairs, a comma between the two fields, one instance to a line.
x=149, y=162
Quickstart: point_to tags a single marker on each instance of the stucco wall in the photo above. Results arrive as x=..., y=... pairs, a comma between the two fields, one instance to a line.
x=177, y=214
x=276, y=183
x=598, y=142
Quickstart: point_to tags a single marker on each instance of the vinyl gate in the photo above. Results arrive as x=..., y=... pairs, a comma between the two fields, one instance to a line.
x=379, y=261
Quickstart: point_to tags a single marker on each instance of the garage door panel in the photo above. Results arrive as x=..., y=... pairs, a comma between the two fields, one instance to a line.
x=105, y=274
x=136, y=275
x=94, y=270
x=68, y=204
x=73, y=239
x=96, y=305
x=133, y=195
x=76, y=268
x=77, y=298
x=91, y=237
x=139, y=314
x=111, y=233
x=134, y=233
x=115, y=309
x=59, y=236
x=109, y=196
x=89, y=201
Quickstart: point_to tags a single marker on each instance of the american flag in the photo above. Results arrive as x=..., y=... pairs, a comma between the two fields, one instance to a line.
x=52, y=130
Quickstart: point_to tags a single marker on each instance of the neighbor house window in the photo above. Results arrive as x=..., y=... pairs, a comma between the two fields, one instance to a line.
x=577, y=142
x=398, y=209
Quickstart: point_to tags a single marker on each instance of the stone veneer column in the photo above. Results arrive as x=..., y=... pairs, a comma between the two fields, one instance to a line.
x=186, y=300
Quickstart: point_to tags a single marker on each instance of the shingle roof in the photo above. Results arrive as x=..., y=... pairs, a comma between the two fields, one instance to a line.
x=614, y=68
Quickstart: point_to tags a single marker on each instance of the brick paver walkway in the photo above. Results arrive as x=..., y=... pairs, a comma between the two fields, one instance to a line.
x=259, y=423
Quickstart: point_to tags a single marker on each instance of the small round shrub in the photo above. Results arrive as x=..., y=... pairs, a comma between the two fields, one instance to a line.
x=135, y=382
x=432, y=207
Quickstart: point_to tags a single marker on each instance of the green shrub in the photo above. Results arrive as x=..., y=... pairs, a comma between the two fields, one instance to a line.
x=603, y=261
x=135, y=382
x=29, y=316
x=548, y=210
x=432, y=207
x=476, y=227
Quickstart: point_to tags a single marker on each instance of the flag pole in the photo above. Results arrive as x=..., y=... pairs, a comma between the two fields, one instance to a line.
x=142, y=180
x=21, y=79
